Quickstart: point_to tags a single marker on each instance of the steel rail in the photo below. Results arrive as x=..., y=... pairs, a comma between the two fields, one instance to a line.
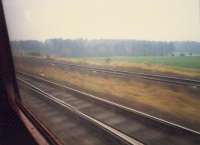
x=108, y=102
x=112, y=131
x=153, y=77
x=48, y=135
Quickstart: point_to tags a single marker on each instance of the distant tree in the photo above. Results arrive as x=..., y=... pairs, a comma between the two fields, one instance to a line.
x=103, y=47
x=34, y=54
x=182, y=54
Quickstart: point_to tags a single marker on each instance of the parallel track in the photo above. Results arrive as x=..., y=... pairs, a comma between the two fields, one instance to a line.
x=154, y=77
x=67, y=124
x=135, y=124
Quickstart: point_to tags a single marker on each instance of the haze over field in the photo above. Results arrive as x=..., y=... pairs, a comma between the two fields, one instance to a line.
x=122, y=19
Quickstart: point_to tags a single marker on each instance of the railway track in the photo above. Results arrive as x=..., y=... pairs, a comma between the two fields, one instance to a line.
x=132, y=123
x=148, y=76
x=195, y=83
x=67, y=124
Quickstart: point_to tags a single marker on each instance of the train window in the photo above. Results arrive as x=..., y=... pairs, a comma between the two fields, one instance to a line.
x=109, y=72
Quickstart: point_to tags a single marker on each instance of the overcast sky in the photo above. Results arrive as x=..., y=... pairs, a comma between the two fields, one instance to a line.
x=117, y=19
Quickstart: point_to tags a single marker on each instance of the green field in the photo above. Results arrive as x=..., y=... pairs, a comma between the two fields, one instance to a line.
x=176, y=61
x=192, y=62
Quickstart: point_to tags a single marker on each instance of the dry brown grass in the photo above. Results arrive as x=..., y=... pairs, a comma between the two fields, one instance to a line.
x=131, y=65
x=177, y=102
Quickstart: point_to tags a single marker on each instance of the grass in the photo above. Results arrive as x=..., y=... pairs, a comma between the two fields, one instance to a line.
x=190, y=62
x=181, y=65
x=177, y=102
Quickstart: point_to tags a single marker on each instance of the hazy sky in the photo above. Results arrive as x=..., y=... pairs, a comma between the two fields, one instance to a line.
x=120, y=19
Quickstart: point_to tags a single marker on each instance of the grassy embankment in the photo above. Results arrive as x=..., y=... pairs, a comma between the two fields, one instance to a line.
x=181, y=65
x=177, y=102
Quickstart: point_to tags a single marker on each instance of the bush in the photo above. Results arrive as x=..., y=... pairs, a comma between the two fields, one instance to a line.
x=108, y=60
x=34, y=54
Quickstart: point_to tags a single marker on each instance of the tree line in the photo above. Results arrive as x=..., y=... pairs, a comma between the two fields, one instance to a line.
x=103, y=47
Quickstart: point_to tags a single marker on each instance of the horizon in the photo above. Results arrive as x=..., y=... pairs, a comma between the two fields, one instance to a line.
x=116, y=39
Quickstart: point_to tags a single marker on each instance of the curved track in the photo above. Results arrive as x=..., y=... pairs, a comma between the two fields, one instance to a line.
x=136, y=125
